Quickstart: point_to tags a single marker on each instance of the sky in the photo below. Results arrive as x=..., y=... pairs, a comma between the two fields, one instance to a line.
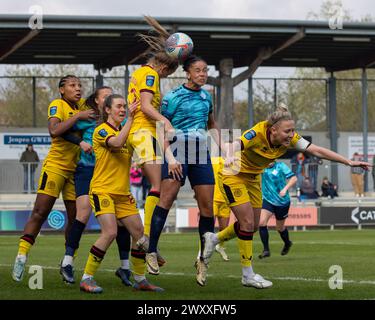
x=244, y=9
x=230, y=9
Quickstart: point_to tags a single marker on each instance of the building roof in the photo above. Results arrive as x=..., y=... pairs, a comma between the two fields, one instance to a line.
x=109, y=41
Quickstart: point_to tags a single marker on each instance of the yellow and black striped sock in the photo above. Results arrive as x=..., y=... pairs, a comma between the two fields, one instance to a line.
x=228, y=233
x=96, y=256
x=25, y=244
x=151, y=202
x=138, y=262
x=245, y=246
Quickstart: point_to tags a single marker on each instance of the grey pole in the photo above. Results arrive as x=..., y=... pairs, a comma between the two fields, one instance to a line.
x=218, y=101
x=34, y=102
x=365, y=123
x=99, y=79
x=250, y=102
x=332, y=124
x=126, y=82
x=275, y=92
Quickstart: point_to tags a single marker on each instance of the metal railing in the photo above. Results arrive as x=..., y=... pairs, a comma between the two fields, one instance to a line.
x=19, y=177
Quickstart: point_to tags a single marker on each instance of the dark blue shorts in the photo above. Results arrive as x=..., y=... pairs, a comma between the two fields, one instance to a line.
x=198, y=174
x=82, y=179
x=280, y=212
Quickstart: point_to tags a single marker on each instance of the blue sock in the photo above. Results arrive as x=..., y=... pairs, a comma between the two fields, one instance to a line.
x=157, y=224
x=263, y=232
x=206, y=224
x=74, y=236
x=123, y=242
x=285, y=236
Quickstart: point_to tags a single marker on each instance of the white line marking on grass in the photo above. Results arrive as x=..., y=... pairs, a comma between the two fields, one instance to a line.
x=182, y=274
x=332, y=243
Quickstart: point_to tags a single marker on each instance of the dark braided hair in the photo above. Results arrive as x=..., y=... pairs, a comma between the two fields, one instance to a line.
x=64, y=79
x=190, y=60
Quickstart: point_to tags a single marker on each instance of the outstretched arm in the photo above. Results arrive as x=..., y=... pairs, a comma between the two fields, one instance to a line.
x=327, y=154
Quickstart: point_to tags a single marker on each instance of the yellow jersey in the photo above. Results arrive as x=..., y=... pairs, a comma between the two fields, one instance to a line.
x=144, y=79
x=62, y=154
x=217, y=165
x=258, y=152
x=112, y=165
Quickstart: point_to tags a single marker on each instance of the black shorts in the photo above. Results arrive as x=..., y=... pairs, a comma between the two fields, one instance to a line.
x=280, y=212
x=198, y=174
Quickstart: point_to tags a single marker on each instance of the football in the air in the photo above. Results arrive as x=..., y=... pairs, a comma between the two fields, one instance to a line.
x=179, y=45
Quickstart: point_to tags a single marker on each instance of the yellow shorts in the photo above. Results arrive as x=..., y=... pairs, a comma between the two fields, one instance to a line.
x=144, y=144
x=241, y=188
x=120, y=205
x=52, y=181
x=221, y=209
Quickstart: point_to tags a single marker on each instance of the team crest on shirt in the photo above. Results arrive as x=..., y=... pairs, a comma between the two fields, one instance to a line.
x=103, y=133
x=250, y=135
x=150, y=81
x=203, y=96
x=52, y=111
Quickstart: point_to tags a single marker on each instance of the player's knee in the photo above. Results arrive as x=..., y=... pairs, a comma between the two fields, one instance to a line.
x=247, y=225
x=137, y=232
x=206, y=209
x=166, y=201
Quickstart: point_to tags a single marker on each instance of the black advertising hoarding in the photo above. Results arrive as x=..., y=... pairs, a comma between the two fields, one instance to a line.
x=347, y=215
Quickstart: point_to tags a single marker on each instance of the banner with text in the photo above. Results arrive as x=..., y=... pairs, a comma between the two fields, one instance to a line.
x=13, y=144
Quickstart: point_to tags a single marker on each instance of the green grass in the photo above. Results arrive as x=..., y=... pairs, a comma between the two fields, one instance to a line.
x=303, y=274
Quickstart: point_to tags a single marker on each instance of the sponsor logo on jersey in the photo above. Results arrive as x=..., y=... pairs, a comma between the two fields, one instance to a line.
x=150, y=81
x=103, y=133
x=250, y=135
x=52, y=111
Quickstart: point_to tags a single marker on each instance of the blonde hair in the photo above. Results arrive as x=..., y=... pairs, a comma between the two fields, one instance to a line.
x=280, y=114
x=156, y=46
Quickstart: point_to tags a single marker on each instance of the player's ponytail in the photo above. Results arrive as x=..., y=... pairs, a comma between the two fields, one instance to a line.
x=280, y=114
x=156, y=53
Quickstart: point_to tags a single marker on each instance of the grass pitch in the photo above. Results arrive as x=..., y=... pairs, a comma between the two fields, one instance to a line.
x=302, y=274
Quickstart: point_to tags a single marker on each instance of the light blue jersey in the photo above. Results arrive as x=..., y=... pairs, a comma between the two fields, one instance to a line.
x=273, y=181
x=87, y=128
x=187, y=109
